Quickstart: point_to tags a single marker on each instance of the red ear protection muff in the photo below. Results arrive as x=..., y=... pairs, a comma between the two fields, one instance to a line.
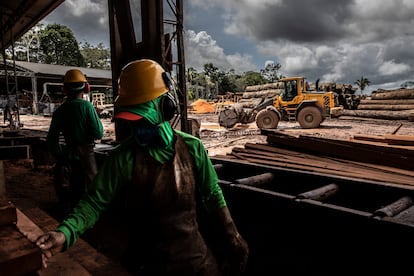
x=87, y=87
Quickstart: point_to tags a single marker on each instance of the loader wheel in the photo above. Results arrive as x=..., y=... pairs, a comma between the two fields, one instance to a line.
x=267, y=119
x=310, y=117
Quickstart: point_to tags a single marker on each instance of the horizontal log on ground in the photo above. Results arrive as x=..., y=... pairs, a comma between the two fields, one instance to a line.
x=397, y=94
x=398, y=101
x=378, y=114
x=386, y=107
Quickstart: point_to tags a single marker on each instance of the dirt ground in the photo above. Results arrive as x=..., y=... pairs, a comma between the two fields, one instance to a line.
x=34, y=185
x=219, y=140
x=28, y=186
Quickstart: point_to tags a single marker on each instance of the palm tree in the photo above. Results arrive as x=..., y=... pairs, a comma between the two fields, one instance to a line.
x=362, y=83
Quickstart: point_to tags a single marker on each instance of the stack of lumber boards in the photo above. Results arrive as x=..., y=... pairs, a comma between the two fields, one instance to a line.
x=360, y=159
x=395, y=104
x=407, y=141
x=18, y=255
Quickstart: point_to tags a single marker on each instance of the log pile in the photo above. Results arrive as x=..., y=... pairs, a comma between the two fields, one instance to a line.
x=397, y=104
x=256, y=94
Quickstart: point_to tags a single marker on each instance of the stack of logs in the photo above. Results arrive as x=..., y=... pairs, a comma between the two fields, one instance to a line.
x=395, y=104
x=256, y=94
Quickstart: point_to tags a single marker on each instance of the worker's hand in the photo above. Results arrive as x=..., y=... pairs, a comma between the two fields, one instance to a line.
x=50, y=243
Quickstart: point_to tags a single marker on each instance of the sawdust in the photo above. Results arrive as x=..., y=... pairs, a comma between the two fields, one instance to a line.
x=202, y=106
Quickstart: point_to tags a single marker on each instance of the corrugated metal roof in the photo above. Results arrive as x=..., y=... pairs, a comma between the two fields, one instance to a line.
x=60, y=70
x=18, y=16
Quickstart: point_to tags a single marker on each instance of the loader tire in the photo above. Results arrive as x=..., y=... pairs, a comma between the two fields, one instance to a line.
x=310, y=117
x=267, y=119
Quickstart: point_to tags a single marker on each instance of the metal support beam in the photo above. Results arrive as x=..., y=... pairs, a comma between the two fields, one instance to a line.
x=153, y=31
x=155, y=45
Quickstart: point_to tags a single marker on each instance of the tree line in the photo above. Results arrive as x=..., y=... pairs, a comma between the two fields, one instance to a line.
x=56, y=44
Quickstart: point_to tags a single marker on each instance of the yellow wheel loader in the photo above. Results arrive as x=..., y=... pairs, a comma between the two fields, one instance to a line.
x=297, y=103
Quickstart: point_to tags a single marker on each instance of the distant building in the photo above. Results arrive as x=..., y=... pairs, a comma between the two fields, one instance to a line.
x=38, y=83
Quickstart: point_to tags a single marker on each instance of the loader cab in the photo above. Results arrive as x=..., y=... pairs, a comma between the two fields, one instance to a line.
x=290, y=90
x=293, y=86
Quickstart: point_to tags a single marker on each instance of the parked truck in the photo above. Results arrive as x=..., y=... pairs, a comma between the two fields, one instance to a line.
x=297, y=103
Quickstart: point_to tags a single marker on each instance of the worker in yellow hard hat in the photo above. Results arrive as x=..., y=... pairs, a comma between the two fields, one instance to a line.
x=78, y=122
x=164, y=174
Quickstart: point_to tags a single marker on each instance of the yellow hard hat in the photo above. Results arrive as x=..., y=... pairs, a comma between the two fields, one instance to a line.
x=140, y=81
x=74, y=75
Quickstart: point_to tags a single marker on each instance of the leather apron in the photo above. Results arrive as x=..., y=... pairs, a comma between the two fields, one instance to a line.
x=167, y=240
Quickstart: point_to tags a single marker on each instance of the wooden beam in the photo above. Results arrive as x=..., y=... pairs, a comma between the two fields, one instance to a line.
x=18, y=254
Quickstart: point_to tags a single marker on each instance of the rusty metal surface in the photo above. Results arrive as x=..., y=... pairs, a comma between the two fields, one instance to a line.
x=18, y=16
x=346, y=193
x=337, y=227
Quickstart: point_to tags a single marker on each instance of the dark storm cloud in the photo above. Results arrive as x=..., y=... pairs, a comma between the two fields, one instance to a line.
x=300, y=21
x=335, y=40
x=87, y=19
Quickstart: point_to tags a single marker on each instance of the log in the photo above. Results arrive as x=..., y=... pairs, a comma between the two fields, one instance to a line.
x=385, y=107
x=397, y=94
x=266, y=86
x=378, y=114
x=392, y=102
x=262, y=94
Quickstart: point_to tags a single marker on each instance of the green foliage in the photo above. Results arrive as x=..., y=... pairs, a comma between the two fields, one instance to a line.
x=97, y=57
x=211, y=71
x=26, y=48
x=212, y=81
x=253, y=78
x=362, y=83
x=270, y=72
x=59, y=46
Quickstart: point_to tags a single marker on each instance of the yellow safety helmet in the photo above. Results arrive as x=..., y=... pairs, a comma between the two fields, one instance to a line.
x=140, y=81
x=75, y=81
x=74, y=75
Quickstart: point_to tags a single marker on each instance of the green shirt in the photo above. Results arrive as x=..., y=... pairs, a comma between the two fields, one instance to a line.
x=79, y=123
x=117, y=172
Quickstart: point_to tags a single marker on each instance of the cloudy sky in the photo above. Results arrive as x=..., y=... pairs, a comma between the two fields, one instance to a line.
x=334, y=40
